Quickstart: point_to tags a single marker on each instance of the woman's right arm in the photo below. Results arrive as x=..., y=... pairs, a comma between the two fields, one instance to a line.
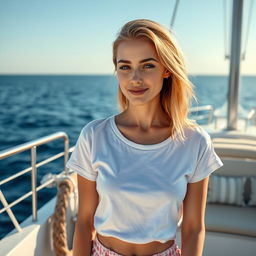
x=88, y=202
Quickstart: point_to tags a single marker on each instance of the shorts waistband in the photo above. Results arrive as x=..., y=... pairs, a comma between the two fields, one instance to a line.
x=173, y=250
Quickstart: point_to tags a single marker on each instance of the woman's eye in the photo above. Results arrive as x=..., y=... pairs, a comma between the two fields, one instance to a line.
x=124, y=67
x=149, y=66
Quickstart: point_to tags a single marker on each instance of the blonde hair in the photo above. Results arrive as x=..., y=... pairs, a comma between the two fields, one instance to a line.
x=177, y=91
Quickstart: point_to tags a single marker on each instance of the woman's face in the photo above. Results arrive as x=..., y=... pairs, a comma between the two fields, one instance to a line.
x=138, y=68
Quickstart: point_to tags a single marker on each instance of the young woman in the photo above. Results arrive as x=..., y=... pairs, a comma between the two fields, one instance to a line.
x=145, y=170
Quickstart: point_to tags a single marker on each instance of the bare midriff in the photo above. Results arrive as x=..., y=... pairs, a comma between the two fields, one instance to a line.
x=133, y=249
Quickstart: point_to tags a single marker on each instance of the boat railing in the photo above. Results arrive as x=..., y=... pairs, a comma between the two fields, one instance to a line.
x=202, y=113
x=248, y=117
x=32, y=145
x=251, y=117
x=207, y=113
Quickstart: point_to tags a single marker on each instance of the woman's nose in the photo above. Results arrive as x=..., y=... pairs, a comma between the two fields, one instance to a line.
x=136, y=76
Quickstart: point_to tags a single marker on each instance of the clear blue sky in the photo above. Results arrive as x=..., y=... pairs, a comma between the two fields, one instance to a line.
x=75, y=37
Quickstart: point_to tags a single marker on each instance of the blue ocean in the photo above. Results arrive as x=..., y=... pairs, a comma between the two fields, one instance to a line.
x=33, y=106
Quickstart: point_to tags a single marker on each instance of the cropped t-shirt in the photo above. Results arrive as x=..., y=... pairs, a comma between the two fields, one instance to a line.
x=141, y=187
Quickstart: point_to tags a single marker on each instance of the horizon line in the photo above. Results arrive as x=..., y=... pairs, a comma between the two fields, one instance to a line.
x=107, y=74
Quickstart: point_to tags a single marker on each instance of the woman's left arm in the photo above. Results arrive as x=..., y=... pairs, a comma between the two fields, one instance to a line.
x=193, y=223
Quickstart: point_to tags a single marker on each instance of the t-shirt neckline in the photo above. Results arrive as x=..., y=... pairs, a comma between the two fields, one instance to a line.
x=134, y=144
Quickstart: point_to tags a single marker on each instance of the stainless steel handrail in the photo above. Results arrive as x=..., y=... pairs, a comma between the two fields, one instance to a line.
x=251, y=116
x=208, y=116
x=32, y=145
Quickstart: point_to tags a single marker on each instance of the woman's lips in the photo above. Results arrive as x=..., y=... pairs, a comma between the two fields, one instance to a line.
x=138, y=92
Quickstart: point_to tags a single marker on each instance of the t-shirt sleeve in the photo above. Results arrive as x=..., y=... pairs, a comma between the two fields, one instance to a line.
x=207, y=162
x=80, y=159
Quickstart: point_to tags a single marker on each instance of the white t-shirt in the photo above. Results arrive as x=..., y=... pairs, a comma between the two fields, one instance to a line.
x=141, y=187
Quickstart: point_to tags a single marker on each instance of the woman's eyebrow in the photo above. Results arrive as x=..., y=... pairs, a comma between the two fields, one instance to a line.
x=144, y=60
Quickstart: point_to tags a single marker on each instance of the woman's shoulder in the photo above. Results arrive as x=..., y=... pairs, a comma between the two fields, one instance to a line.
x=94, y=125
x=197, y=133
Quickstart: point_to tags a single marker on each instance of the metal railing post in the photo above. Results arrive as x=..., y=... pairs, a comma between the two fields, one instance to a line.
x=33, y=182
x=66, y=151
x=32, y=146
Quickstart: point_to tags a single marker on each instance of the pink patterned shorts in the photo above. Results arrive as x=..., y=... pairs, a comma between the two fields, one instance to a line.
x=98, y=249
